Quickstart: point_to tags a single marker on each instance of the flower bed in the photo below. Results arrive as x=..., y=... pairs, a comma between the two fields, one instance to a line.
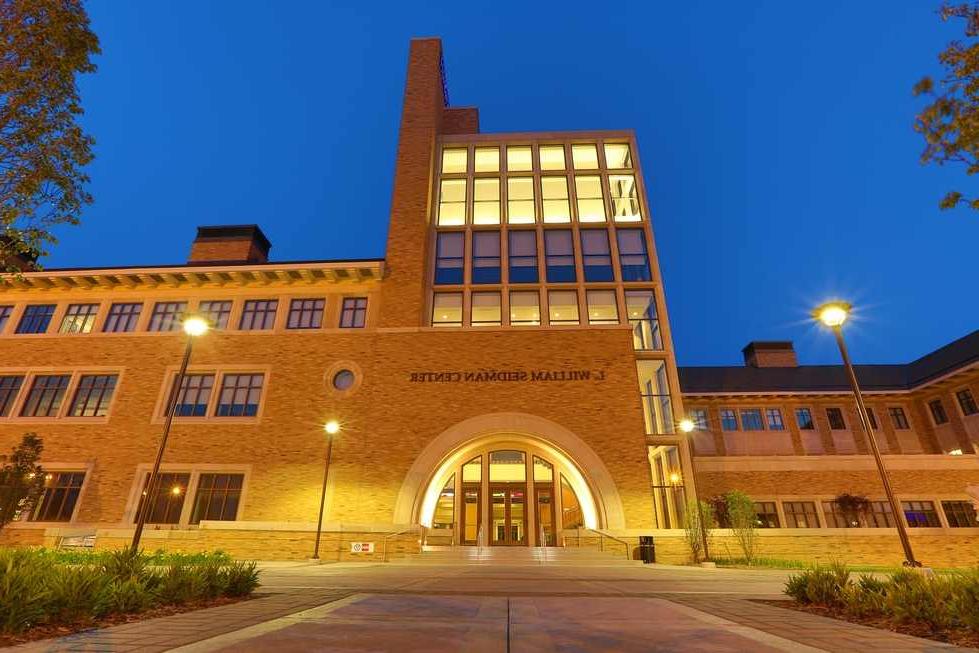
x=942, y=606
x=45, y=589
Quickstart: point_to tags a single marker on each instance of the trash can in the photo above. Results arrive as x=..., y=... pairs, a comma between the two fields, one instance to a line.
x=647, y=549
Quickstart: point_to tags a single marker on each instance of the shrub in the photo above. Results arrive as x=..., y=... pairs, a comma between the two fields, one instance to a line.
x=911, y=597
x=965, y=604
x=211, y=578
x=178, y=584
x=820, y=585
x=127, y=596
x=126, y=564
x=242, y=578
x=743, y=521
x=24, y=582
x=77, y=593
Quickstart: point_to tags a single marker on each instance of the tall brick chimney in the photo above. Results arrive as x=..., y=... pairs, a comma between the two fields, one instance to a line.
x=235, y=243
x=761, y=353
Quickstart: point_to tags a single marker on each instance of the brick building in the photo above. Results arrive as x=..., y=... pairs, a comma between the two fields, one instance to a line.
x=505, y=376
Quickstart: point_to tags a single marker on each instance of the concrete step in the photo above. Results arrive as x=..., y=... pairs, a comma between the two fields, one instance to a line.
x=518, y=556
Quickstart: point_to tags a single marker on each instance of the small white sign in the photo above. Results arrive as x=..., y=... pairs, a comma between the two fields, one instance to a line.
x=361, y=547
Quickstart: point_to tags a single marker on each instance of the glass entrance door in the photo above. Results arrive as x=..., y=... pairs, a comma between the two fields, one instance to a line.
x=544, y=514
x=470, y=514
x=508, y=515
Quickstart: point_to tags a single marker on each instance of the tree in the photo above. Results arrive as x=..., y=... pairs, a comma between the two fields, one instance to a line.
x=950, y=124
x=21, y=478
x=698, y=520
x=743, y=521
x=44, y=44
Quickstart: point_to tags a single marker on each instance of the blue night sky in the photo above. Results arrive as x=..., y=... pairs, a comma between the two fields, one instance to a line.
x=776, y=140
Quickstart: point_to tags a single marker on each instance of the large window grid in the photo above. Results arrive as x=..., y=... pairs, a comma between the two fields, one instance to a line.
x=36, y=318
x=166, y=498
x=485, y=257
x=59, y=497
x=258, y=315
x=122, y=318
x=654, y=390
x=167, y=316
x=93, y=395
x=9, y=388
x=240, y=395
x=5, y=312
x=216, y=313
x=194, y=395
x=217, y=497
x=306, y=314
x=640, y=306
x=45, y=396
x=79, y=318
x=353, y=313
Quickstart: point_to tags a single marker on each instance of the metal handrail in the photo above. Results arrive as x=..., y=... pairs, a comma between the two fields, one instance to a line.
x=384, y=542
x=601, y=541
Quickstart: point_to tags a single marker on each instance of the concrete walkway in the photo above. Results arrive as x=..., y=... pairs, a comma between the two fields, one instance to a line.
x=345, y=607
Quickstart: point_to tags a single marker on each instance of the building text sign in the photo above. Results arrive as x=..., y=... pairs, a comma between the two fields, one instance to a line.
x=506, y=376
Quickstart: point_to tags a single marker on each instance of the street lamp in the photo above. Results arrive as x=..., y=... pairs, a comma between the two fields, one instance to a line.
x=194, y=327
x=833, y=315
x=332, y=428
x=686, y=425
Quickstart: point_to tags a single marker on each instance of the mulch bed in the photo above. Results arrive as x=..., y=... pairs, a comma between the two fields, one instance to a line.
x=957, y=636
x=61, y=630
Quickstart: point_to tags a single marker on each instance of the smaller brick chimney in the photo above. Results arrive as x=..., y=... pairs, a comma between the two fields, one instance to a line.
x=761, y=353
x=235, y=243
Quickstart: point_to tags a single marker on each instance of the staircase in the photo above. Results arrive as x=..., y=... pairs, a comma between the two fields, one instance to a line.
x=518, y=556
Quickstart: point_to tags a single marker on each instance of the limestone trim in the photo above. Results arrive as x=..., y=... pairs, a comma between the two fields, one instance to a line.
x=831, y=462
x=481, y=431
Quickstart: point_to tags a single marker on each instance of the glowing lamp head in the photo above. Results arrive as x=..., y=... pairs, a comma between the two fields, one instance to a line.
x=332, y=427
x=674, y=478
x=833, y=314
x=176, y=490
x=195, y=326
x=686, y=424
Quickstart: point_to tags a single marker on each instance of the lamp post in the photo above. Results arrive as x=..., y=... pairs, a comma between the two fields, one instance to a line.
x=332, y=428
x=833, y=315
x=193, y=326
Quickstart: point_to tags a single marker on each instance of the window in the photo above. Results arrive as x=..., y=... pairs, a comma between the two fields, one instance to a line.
x=452, y=202
x=920, y=514
x=165, y=498
x=167, y=316
x=523, y=257
x=216, y=313
x=585, y=156
x=122, y=318
x=93, y=396
x=767, y=514
x=872, y=418
x=700, y=420
x=194, y=395
x=353, y=313
x=486, y=310
x=454, y=159
x=79, y=318
x=591, y=203
x=305, y=314
x=640, y=306
x=450, y=249
x=554, y=199
x=36, y=318
x=45, y=396
x=898, y=418
x=559, y=256
x=551, y=157
x=632, y=255
x=59, y=497
x=596, y=257
x=800, y=514
x=486, y=257
x=486, y=159
x=967, y=402
x=617, y=155
x=258, y=315
x=729, y=420
x=218, y=496
x=835, y=417
x=602, y=307
x=625, y=198
x=880, y=515
x=751, y=419
x=803, y=418
x=518, y=158
x=562, y=307
x=240, y=394
x=773, y=417
x=5, y=312
x=524, y=307
x=344, y=380
x=960, y=514
x=9, y=387
x=837, y=518
x=654, y=390
x=447, y=309
x=520, y=200
x=938, y=413
x=486, y=201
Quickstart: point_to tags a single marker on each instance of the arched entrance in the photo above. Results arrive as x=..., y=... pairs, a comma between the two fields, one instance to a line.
x=506, y=492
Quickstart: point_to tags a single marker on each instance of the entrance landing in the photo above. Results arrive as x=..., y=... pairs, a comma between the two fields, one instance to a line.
x=519, y=556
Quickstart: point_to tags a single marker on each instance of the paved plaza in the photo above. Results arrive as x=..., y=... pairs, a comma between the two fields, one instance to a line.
x=356, y=607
